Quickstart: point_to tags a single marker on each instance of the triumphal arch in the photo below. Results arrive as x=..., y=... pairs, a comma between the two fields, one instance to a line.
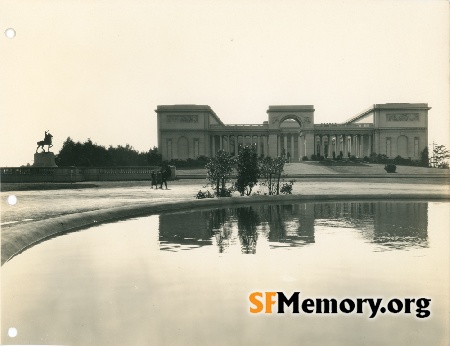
x=392, y=129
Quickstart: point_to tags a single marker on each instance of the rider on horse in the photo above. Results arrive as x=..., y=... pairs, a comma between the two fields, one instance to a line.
x=47, y=141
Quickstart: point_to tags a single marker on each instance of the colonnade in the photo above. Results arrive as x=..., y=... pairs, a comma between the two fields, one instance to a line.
x=233, y=143
x=358, y=145
x=293, y=145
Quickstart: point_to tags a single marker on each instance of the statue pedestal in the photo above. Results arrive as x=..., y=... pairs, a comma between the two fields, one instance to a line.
x=44, y=160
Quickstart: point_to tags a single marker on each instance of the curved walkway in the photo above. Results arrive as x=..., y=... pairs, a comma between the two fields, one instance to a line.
x=39, y=215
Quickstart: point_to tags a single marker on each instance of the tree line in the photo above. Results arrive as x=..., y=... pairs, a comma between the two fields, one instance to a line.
x=89, y=154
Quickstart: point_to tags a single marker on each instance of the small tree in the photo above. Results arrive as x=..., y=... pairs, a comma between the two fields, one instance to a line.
x=270, y=172
x=440, y=156
x=247, y=170
x=219, y=171
x=278, y=167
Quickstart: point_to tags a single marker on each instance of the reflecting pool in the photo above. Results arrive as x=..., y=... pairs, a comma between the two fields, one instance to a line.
x=185, y=278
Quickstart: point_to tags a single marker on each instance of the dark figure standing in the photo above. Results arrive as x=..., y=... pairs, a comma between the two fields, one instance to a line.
x=154, y=180
x=165, y=174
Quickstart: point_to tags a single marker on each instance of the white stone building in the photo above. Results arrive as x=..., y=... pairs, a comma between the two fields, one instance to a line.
x=188, y=131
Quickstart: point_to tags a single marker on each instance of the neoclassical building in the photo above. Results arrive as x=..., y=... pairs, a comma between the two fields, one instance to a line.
x=188, y=131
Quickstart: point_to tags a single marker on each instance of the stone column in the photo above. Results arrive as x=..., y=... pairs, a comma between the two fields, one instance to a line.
x=350, y=144
x=322, y=145
x=329, y=145
x=361, y=145
x=344, y=145
x=292, y=147
x=221, y=142
x=258, y=145
x=264, y=145
x=285, y=144
x=309, y=143
x=369, y=149
x=236, y=148
x=352, y=153
x=278, y=144
x=213, y=154
x=299, y=144
x=336, y=139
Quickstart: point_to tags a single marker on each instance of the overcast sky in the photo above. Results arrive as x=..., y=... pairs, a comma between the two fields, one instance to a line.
x=98, y=69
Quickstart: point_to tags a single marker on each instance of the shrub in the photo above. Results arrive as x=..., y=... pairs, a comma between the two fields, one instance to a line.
x=390, y=168
x=227, y=192
x=219, y=171
x=286, y=188
x=305, y=158
x=206, y=194
x=353, y=158
x=403, y=161
x=247, y=170
x=313, y=157
x=366, y=159
x=270, y=171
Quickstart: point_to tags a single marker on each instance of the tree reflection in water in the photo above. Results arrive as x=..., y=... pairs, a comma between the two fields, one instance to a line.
x=392, y=225
x=248, y=220
x=221, y=227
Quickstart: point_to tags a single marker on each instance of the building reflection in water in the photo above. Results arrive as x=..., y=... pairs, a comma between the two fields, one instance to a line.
x=392, y=225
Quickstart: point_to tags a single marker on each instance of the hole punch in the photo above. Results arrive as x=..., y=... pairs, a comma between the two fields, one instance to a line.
x=12, y=332
x=12, y=200
x=10, y=33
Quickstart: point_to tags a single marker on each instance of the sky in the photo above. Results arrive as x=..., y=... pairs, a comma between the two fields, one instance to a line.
x=99, y=68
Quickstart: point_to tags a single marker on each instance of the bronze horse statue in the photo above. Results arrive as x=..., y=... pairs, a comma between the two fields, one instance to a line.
x=47, y=141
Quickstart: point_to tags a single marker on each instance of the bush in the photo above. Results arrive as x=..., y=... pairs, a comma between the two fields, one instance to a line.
x=286, y=188
x=247, y=170
x=305, y=158
x=206, y=194
x=321, y=158
x=353, y=158
x=390, y=168
x=313, y=157
x=227, y=192
x=403, y=161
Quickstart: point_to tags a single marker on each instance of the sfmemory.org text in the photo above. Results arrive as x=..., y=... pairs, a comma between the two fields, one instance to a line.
x=265, y=301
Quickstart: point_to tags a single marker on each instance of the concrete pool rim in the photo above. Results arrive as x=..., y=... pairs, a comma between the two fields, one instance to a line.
x=19, y=238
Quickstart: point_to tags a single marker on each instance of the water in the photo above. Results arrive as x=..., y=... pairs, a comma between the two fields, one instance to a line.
x=185, y=278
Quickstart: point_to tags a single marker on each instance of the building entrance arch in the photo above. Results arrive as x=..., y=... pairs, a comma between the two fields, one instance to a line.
x=289, y=138
x=291, y=118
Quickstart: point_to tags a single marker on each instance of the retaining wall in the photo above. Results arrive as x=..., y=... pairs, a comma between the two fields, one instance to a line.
x=76, y=174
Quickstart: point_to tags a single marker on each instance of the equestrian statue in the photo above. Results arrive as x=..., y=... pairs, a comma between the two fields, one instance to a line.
x=47, y=141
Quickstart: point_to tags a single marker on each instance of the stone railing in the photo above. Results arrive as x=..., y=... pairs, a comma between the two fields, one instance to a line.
x=343, y=125
x=76, y=174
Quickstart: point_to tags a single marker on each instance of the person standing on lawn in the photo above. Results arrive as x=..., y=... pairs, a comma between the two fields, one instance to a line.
x=165, y=174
